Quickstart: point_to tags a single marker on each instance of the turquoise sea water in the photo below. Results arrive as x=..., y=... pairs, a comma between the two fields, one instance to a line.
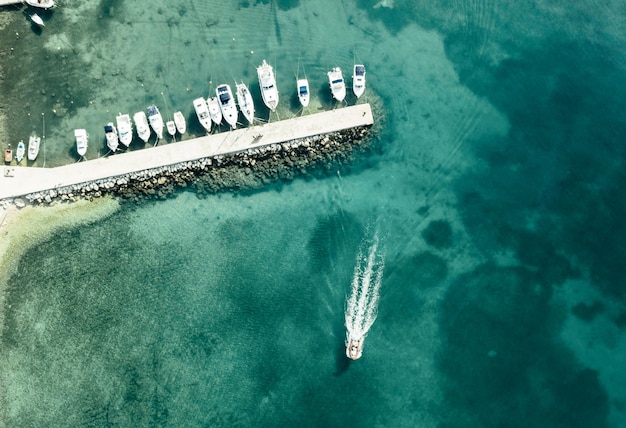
x=496, y=189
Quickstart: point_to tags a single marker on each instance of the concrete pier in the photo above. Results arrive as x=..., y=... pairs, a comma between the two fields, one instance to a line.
x=16, y=181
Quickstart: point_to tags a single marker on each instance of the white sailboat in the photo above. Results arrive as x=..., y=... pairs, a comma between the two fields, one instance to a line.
x=245, y=101
x=21, y=150
x=124, y=129
x=156, y=120
x=358, y=80
x=111, y=135
x=33, y=147
x=303, y=91
x=267, y=82
x=214, y=110
x=202, y=111
x=81, y=141
x=227, y=104
x=181, y=123
x=42, y=4
x=337, y=85
x=143, y=129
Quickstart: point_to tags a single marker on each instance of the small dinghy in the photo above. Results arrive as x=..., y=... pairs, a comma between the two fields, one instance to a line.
x=81, y=141
x=37, y=20
x=8, y=155
x=171, y=127
x=143, y=129
x=181, y=124
x=21, y=150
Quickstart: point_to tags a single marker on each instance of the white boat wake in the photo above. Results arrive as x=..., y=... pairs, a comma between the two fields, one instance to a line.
x=362, y=305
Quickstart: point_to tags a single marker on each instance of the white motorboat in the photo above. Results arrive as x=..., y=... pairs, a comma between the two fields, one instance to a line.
x=354, y=347
x=267, y=82
x=202, y=111
x=143, y=129
x=21, y=150
x=358, y=80
x=124, y=129
x=214, y=110
x=337, y=85
x=171, y=127
x=111, y=134
x=156, y=120
x=33, y=147
x=181, y=123
x=303, y=91
x=37, y=20
x=42, y=4
x=81, y=141
x=227, y=104
x=245, y=101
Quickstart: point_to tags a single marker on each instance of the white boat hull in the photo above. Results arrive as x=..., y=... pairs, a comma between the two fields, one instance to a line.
x=337, y=84
x=354, y=347
x=227, y=104
x=156, y=120
x=33, y=147
x=20, y=152
x=41, y=4
x=303, y=91
x=181, y=123
x=267, y=83
x=81, y=141
x=124, y=129
x=214, y=110
x=358, y=80
x=202, y=111
x=143, y=128
x=111, y=135
x=245, y=101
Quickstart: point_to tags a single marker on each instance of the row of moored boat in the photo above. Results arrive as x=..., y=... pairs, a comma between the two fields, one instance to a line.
x=34, y=142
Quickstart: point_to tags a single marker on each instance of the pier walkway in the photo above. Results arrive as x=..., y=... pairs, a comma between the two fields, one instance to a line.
x=16, y=181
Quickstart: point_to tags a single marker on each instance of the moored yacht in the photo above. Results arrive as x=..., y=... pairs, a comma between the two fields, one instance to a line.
x=21, y=150
x=267, y=82
x=303, y=91
x=42, y=4
x=156, y=120
x=33, y=147
x=337, y=85
x=181, y=123
x=227, y=104
x=214, y=110
x=202, y=111
x=358, y=80
x=354, y=347
x=124, y=129
x=111, y=135
x=143, y=129
x=245, y=101
x=81, y=141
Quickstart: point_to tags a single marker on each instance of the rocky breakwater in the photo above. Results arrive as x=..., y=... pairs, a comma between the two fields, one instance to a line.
x=246, y=170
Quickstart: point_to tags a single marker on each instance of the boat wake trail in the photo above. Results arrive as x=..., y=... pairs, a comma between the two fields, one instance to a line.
x=362, y=305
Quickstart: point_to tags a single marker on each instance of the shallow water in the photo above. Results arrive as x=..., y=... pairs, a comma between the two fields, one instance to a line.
x=495, y=187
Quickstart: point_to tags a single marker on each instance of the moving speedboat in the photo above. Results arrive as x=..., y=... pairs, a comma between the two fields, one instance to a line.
x=181, y=123
x=267, y=82
x=42, y=4
x=21, y=150
x=227, y=104
x=143, y=129
x=358, y=80
x=111, y=134
x=303, y=91
x=354, y=347
x=214, y=110
x=124, y=129
x=245, y=101
x=81, y=141
x=202, y=111
x=33, y=147
x=156, y=120
x=337, y=85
